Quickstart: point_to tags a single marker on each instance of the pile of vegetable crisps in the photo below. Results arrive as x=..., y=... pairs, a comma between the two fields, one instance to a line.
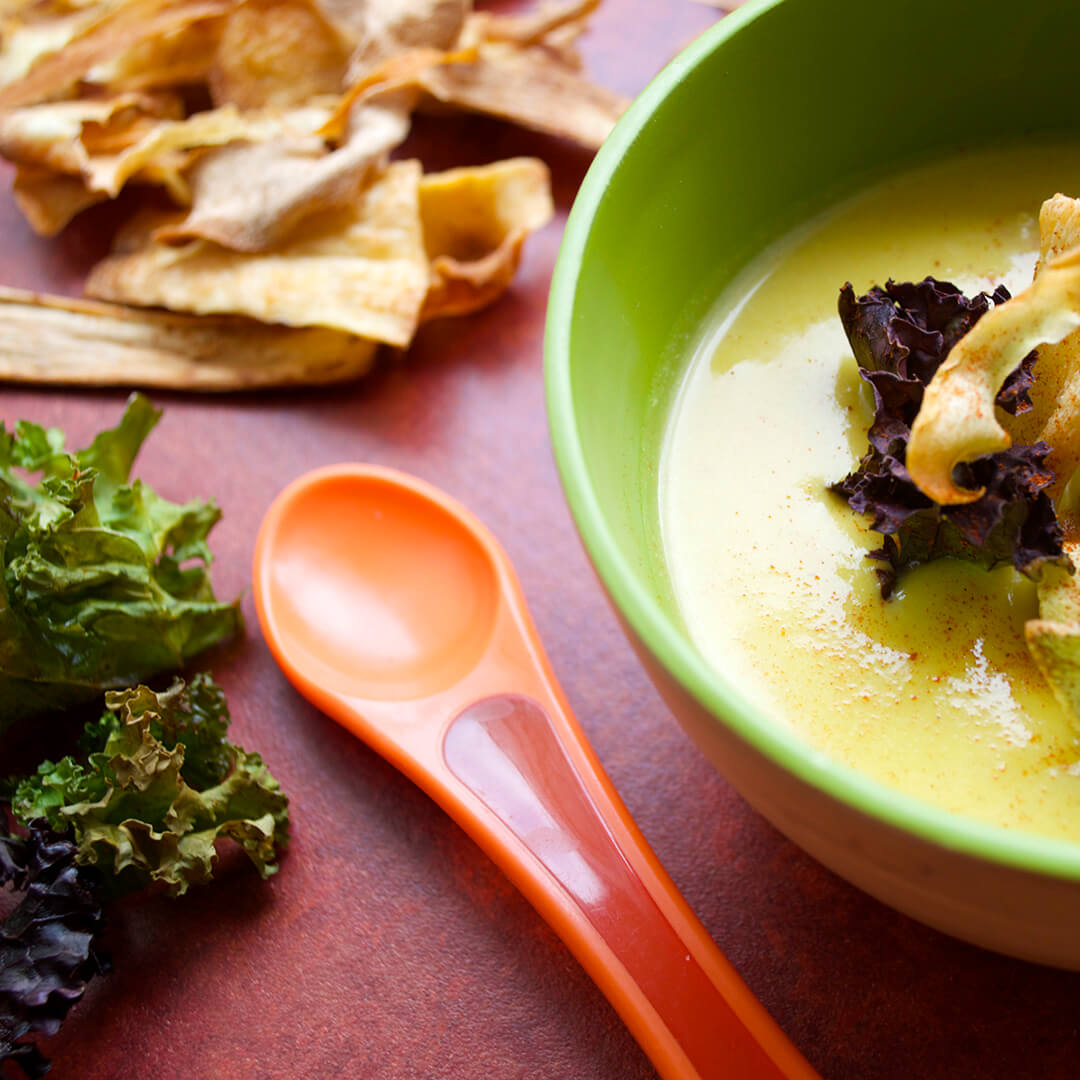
x=280, y=236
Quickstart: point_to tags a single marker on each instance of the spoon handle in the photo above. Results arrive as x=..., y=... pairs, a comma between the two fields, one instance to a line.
x=534, y=797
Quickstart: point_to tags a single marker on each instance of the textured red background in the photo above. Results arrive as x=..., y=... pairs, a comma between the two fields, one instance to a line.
x=388, y=946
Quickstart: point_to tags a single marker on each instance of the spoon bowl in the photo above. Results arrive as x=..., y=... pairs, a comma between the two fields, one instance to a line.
x=404, y=600
x=396, y=612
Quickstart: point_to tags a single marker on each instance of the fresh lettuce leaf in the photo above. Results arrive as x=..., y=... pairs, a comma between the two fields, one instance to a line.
x=49, y=942
x=900, y=335
x=159, y=786
x=103, y=583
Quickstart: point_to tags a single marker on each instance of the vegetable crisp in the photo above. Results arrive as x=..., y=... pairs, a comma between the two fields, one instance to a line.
x=900, y=335
x=951, y=380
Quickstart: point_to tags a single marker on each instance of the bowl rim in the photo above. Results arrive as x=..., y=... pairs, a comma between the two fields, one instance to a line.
x=998, y=844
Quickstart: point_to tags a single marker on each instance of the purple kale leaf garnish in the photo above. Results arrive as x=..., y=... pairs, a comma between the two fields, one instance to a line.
x=900, y=336
x=48, y=944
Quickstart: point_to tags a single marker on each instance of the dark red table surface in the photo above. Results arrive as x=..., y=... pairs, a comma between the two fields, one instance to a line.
x=389, y=946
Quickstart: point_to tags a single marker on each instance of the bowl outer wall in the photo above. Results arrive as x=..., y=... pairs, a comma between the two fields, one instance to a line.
x=780, y=109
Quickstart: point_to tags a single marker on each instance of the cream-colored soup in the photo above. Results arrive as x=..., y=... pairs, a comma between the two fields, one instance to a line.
x=932, y=691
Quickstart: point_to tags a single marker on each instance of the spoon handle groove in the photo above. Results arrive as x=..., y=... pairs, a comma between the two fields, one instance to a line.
x=560, y=834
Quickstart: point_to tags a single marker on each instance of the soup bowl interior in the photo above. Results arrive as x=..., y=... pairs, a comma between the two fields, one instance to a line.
x=780, y=110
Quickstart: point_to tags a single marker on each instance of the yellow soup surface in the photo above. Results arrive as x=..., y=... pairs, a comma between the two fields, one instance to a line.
x=932, y=691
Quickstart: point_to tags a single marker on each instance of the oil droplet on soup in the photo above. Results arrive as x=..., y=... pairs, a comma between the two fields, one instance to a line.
x=932, y=692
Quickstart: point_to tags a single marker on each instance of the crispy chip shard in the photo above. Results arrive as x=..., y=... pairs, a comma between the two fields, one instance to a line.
x=390, y=29
x=213, y=127
x=957, y=420
x=277, y=54
x=517, y=68
x=532, y=27
x=1055, y=648
x=32, y=31
x=394, y=83
x=526, y=71
x=361, y=269
x=122, y=28
x=250, y=196
x=49, y=201
x=475, y=221
x=109, y=143
x=181, y=57
x=53, y=339
x=64, y=135
x=1056, y=393
x=528, y=86
x=1054, y=637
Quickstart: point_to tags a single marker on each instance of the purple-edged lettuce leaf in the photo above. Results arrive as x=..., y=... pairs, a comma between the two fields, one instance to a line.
x=159, y=787
x=103, y=583
x=900, y=335
x=48, y=943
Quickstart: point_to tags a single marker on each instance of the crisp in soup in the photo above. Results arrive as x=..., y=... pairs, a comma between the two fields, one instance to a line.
x=933, y=691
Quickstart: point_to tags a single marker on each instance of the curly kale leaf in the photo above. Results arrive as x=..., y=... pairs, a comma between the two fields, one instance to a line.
x=49, y=942
x=103, y=583
x=900, y=336
x=159, y=786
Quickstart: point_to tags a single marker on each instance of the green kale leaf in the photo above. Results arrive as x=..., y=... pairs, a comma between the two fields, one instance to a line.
x=103, y=583
x=158, y=787
x=900, y=336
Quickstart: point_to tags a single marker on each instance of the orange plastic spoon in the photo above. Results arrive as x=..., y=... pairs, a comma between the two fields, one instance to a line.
x=396, y=612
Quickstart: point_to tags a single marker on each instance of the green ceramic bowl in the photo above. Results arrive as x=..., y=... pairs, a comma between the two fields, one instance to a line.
x=782, y=107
